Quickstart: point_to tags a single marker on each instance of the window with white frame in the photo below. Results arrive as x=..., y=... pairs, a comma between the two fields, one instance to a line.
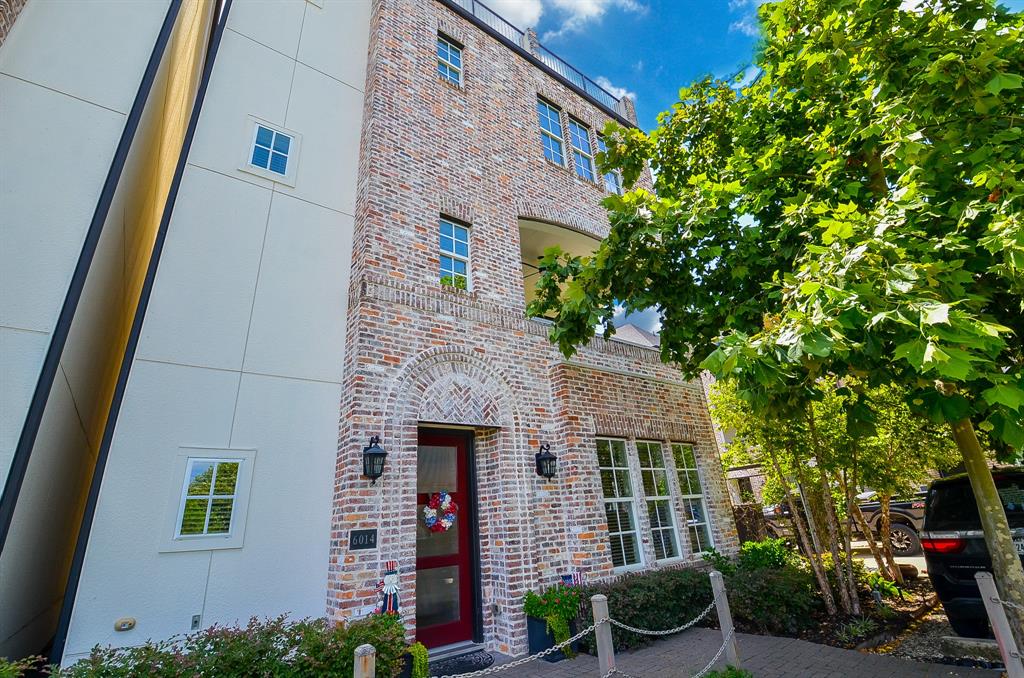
x=270, y=150
x=617, y=489
x=692, y=495
x=550, y=119
x=582, y=153
x=613, y=179
x=449, y=60
x=658, y=497
x=454, y=244
x=208, y=497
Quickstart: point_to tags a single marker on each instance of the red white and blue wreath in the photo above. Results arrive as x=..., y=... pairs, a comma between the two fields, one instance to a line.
x=439, y=513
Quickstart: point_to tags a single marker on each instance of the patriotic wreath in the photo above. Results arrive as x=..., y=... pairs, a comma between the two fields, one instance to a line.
x=439, y=513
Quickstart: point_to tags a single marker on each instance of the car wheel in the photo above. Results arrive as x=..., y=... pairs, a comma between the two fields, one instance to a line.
x=904, y=540
x=969, y=627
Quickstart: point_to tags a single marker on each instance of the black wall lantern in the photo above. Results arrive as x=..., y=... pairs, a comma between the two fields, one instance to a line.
x=373, y=459
x=546, y=462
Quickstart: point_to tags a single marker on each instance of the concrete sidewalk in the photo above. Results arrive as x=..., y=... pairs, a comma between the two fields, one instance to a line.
x=764, y=656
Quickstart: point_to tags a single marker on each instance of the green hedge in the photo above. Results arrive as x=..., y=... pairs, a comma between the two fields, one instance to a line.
x=660, y=599
x=773, y=600
x=271, y=647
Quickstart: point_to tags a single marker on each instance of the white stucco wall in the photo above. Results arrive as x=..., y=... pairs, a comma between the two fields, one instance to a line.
x=243, y=340
x=69, y=73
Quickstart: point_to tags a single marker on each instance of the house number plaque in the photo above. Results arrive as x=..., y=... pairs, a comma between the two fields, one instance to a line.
x=361, y=540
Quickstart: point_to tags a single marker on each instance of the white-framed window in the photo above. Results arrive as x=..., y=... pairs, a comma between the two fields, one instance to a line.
x=617, y=489
x=613, y=179
x=550, y=119
x=210, y=499
x=691, y=493
x=454, y=246
x=449, y=60
x=271, y=152
x=658, y=499
x=582, y=153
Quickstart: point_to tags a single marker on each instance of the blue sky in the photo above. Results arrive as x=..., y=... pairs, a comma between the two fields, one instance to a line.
x=648, y=47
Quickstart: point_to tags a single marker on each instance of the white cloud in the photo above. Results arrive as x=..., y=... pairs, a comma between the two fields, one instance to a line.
x=519, y=13
x=747, y=23
x=617, y=92
x=576, y=14
x=747, y=26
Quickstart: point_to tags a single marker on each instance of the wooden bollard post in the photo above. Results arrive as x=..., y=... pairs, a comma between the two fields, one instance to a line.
x=605, y=648
x=366, y=662
x=1000, y=625
x=732, y=654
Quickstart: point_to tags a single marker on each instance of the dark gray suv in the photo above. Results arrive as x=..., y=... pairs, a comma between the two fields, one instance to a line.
x=954, y=547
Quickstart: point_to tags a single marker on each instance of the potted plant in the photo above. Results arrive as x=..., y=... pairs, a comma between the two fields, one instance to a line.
x=416, y=662
x=551, y=619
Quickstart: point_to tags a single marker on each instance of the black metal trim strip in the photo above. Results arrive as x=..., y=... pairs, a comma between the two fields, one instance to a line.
x=30, y=429
x=518, y=49
x=56, y=652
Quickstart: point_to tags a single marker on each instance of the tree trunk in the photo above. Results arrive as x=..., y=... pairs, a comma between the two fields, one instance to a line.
x=865, y=529
x=847, y=538
x=838, y=562
x=1006, y=565
x=812, y=556
x=885, y=536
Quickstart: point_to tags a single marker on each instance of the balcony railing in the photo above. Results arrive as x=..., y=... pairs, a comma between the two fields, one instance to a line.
x=547, y=57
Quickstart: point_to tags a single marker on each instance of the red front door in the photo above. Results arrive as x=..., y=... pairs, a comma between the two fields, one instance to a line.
x=444, y=585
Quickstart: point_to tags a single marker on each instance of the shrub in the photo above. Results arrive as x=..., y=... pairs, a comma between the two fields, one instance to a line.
x=854, y=630
x=773, y=601
x=557, y=606
x=765, y=554
x=719, y=561
x=877, y=582
x=271, y=647
x=19, y=667
x=860, y=573
x=420, y=660
x=656, y=600
x=730, y=672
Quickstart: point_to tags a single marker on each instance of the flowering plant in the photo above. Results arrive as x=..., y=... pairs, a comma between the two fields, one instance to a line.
x=557, y=606
x=439, y=513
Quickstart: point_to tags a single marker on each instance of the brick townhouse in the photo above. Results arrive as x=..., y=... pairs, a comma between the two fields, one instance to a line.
x=298, y=234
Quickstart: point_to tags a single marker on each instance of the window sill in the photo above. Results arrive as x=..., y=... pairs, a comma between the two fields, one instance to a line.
x=456, y=292
x=461, y=87
x=626, y=569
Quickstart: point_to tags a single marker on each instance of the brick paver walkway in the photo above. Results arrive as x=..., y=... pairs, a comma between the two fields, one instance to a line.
x=764, y=656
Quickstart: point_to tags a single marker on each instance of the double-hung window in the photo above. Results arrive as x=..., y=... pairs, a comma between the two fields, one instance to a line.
x=692, y=495
x=582, y=153
x=613, y=179
x=208, y=497
x=658, y=498
x=617, y=488
x=449, y=60
x=550, y=131
x=454, y=245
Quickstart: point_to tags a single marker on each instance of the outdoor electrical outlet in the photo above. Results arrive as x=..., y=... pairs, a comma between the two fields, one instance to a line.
x=195, y=621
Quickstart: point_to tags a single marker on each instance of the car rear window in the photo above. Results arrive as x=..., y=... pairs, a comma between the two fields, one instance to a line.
x=952, y=507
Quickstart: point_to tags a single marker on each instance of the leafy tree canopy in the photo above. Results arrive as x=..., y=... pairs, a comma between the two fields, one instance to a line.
x=855, y=212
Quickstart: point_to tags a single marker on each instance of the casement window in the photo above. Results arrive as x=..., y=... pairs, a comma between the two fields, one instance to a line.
x=208, y=497
x=582, y=153
x=454, y=255
x=617, y=488
x=613, y=179
x=658, y=499
x=550, y=119
x=449, y=60
x=692, y=495
x=271, y=152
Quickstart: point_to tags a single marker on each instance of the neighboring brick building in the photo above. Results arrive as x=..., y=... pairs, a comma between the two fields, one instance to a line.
x=456, y=142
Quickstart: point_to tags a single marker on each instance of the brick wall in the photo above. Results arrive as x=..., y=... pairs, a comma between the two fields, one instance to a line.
x=420, y=352
x=9, y=11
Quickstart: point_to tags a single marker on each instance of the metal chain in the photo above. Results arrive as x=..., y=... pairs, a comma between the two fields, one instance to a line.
x=717, y=656
x=1006, y=603
x=526, y=660
x=666, y=632
x=617, y=672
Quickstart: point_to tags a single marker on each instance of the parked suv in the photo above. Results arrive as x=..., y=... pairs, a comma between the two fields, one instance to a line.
x=954, y=547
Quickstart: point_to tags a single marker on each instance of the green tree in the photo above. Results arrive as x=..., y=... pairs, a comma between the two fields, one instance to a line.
x=855, y=212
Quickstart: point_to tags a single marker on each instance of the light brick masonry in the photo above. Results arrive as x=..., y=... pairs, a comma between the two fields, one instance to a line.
x=419, y=352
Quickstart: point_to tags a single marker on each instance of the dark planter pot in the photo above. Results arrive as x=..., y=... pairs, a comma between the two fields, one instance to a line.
x=406, y=671
x=540, y=639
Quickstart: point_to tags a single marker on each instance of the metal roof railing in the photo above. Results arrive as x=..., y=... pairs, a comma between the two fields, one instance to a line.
x=546, y=56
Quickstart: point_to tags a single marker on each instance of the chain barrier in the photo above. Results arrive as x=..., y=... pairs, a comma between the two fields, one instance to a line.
x=718, y=655
x=1006, y=603
x=526, y=660
x=666, y=632
x=618, y=672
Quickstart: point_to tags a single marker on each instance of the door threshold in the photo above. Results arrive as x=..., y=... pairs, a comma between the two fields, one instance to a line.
x=454, y=650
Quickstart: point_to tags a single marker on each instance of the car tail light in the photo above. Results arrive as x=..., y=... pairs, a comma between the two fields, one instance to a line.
x=944, y=545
